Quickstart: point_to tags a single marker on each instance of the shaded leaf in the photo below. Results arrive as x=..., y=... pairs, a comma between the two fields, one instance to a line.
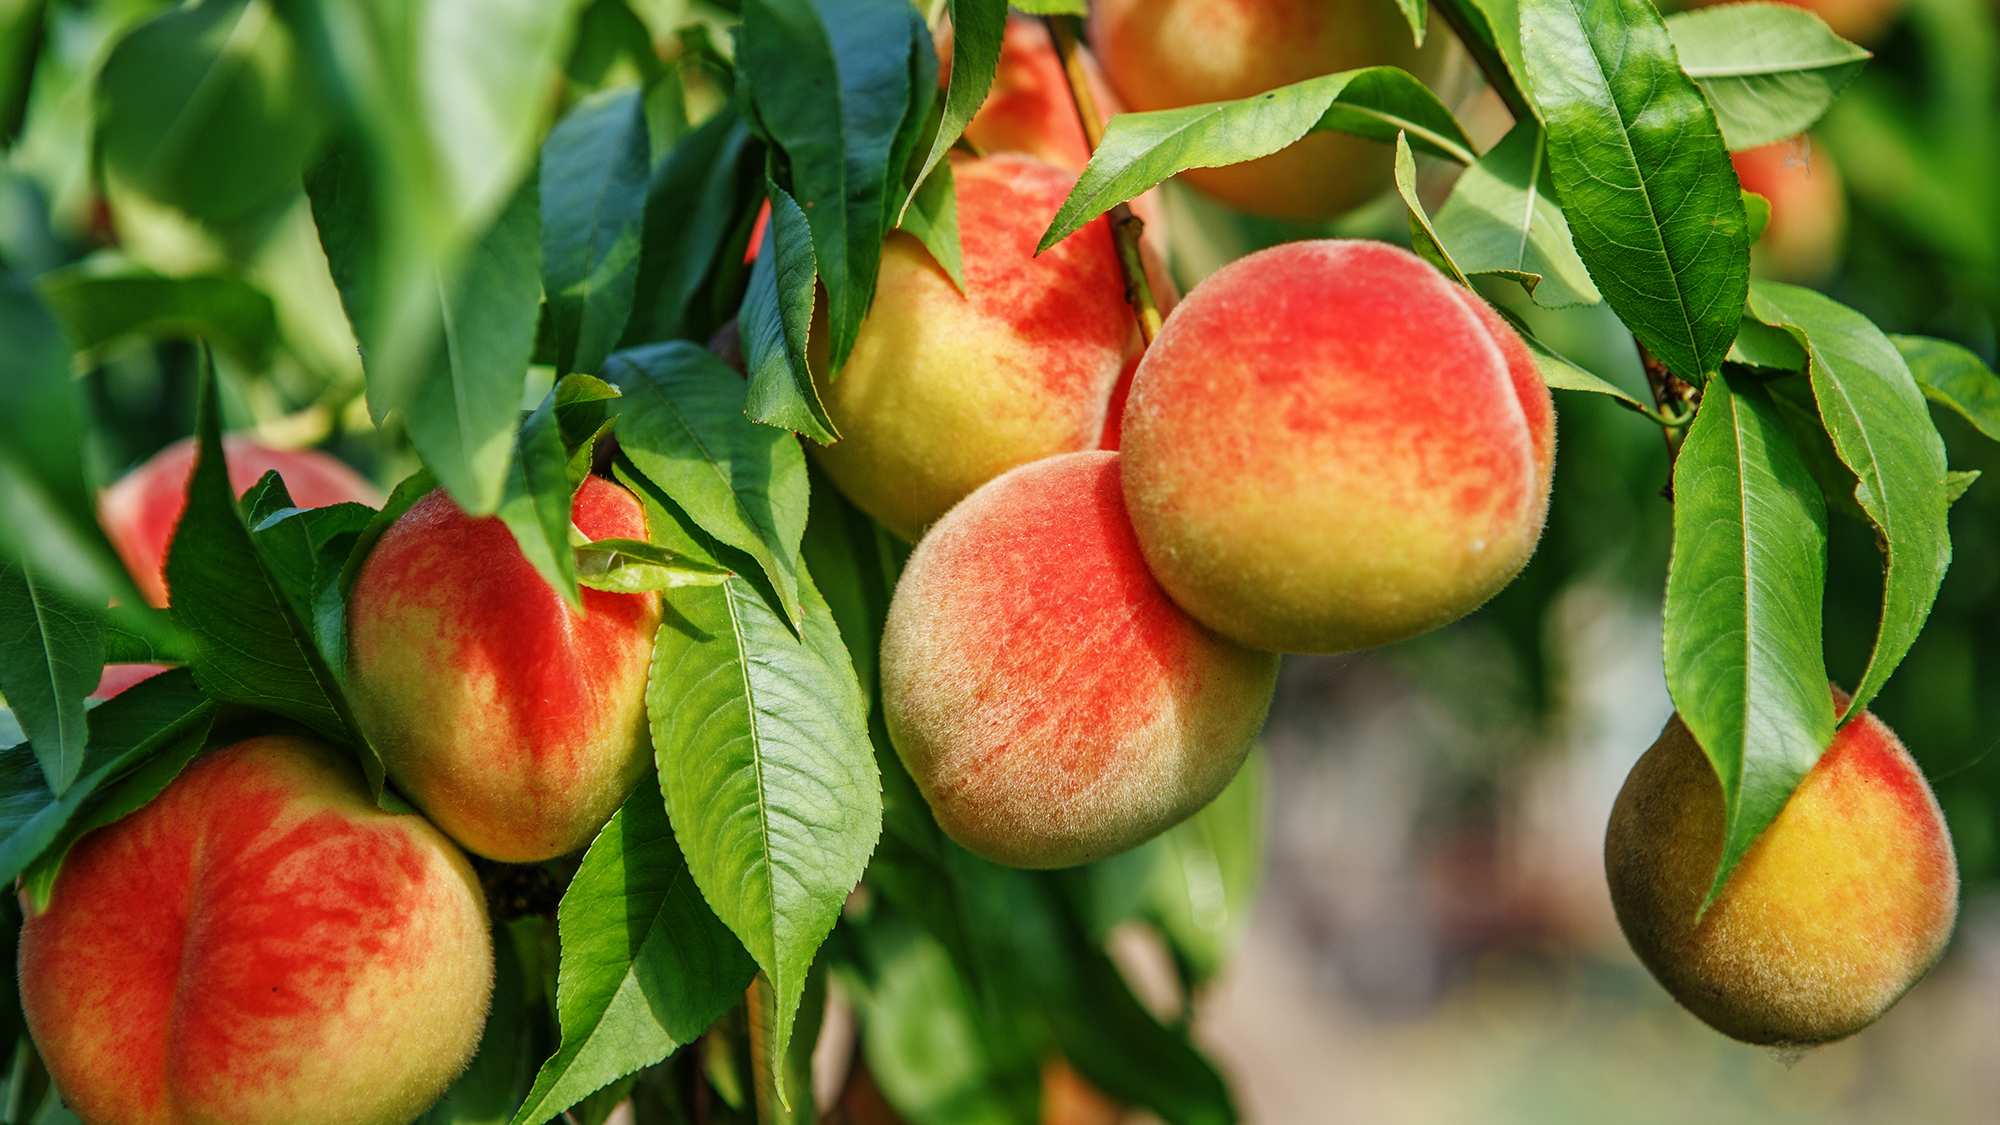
x=536, y=507
x=776, y=323
x=1500, y=219
x=98, y=309
x=51, y=654
x=628, y=566
x=702, y=192
x=1423, y=236
x=306, y=549
x=1744, y=585
x=933, y=218
x=1769, y=70
x=594, y=170
x=1952, y=376
x=978, y=28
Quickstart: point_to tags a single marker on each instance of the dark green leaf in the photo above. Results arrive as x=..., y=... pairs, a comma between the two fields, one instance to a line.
x=246, y=642
x=20, y=39
x=977, y=29
x=1500, y=219
x=697, y=196
x=1141, y=149
x=305, y=550
x=1952, y=376
x=594, y=169
x=1759, y=345
x=98, y=309
x=646, y=965
x=207, y=107
x=683, y=426
x=51, y=654
x=832, y=84
x=536, y=507
x=776, y=322
x=1490, y=31
x=770, y=779
x=1645, y=181
x=1872, y=409
x=933, y=218
x=1743, y=608
x=1769, y=70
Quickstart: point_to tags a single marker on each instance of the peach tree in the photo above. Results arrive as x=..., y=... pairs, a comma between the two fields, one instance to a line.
x=532, y=216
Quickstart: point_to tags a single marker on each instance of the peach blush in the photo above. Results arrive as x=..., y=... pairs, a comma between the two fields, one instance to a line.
x=515, y=723
x=259, y=944
x=1052, y=704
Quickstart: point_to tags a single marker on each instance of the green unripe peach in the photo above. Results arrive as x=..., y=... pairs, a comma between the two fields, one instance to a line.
x=1330, y=446
x=1843, y=903
x=515, y=723
x=260, y=944
x=1052, y=704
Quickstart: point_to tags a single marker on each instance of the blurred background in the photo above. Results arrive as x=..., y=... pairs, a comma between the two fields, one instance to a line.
x=1431, y=940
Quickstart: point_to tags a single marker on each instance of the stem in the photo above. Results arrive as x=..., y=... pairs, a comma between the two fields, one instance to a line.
x=1125, y=226
x=1673, y=397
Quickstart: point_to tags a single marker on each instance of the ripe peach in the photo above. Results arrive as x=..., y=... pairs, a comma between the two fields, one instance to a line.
x=1162, y=54
x=1838, y=908
x=1807, y=233
x=515, y=723
x=140, y=512
x=261, y=943
x=118, y=677
x=1330, y=446
x=945, y=391
x=1052, y=704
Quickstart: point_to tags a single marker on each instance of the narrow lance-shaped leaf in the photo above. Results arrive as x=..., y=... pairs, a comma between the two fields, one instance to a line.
x=537, y=502
x=1423, y=236
x=776, y=322
x=1141, y=149
x=933, y=219
x=762, y=739
x=1876, y=416
x=1953, y=376
x=646, y=965
x=306, y=550
x=1501, y=219
x=97, y=309
x=977, y=29
x=1769, y=70
x=593, y=187
x=51, y=654
x=1645, y=181
x=1743, y=655
x=683, y=426
x=693, y=201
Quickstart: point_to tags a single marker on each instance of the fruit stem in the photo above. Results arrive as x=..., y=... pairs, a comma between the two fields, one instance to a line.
x=1674, y=401
x=1125, y=226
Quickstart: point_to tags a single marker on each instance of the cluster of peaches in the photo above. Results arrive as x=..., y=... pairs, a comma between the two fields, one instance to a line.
x=1329, y=446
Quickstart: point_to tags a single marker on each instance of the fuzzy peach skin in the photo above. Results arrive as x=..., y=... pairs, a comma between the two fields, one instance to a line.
x=943, y=391
x=1163, y=54
x=1843, y=903
x=1807, y=233
x=1052, y=704
x=260, y=944
x=1330, y=446
x=515, y=723
x=140, y=511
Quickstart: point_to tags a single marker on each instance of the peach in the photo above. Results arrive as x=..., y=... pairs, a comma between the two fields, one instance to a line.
x=1843, y=903
x=1163, y=54
x=140, y=511
x=945, y=391
x=1052, y=704
x=1330, y=446
x=261, y=943
x=1807, y=233
x=511, y=720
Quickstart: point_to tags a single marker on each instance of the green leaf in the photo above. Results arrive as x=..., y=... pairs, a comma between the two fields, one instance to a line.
x=1054, y=7
x=1757, y=211
x=1645, y=181
x=1423, y=236
x=536, y=507
x=683, y=426
x=628, y=566
x=1760, y=345
x=594, y=170
x=1205, y=883
x=98, y=309
x=1500, y=219
x=1956, y=482
x=208, y=108
x=247, y=643
x=51, y=655
x=1873, y=411
x=776, y=323
x=1490, y=31
x=1952, y=376
x=977, y=29
x=831, y=81
x=762, y=740
x=1744, y=585
x=1141, y=149
x=1769, y=70
x=306, y=550
x=933, y=218
x=48, y=517
x=646, y=965
x=125, y=732
x=699, y=194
